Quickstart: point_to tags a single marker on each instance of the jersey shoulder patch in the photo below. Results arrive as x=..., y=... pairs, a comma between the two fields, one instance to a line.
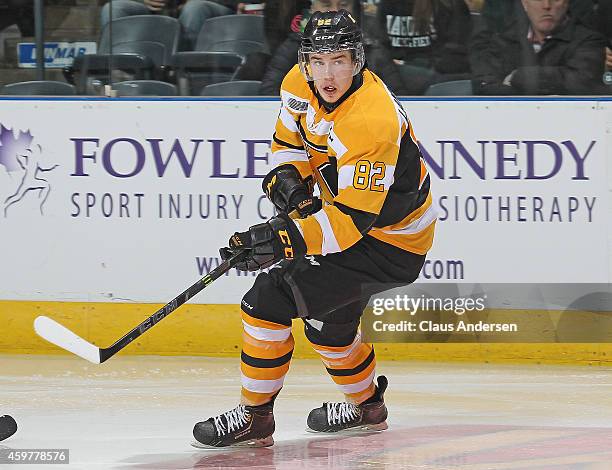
x=295, y=92
x=294, y=103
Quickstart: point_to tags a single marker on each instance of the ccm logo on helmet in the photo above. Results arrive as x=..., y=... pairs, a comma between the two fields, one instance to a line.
x=323, y=38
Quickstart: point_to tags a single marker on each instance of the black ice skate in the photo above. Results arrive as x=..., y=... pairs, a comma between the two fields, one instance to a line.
x=370, y=415
x=247, y=426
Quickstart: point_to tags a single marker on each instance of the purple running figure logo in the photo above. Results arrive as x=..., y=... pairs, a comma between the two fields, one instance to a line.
x=20, y=155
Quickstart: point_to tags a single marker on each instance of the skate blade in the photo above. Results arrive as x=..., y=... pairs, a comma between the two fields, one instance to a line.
x=252, y=443
x=368, y=428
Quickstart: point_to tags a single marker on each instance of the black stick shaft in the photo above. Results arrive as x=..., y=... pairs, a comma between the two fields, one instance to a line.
x=170, y=307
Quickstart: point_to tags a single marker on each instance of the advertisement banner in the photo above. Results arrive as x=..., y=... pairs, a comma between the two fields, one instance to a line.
x=57, y=54
x=131, y=200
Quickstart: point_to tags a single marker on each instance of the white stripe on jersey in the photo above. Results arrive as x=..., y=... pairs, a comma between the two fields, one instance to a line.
x=330, y=244
x=287, y=119
x=320, y=128
x=417, y=225
x=285, y=156
x=346, y=175
x=334, y=143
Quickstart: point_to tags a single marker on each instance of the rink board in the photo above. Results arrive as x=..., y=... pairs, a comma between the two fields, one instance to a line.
x=215, y=330
x=138, y=195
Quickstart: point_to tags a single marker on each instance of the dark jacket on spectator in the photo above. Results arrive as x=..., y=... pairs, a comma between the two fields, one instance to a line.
x=571, y=61
x=285, y=58
x=604, y=19
x=499, y=15
x=444, y=49
x=19, y=12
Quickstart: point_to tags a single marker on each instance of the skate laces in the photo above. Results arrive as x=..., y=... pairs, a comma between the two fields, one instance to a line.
x=234, y=419
x=341, y=413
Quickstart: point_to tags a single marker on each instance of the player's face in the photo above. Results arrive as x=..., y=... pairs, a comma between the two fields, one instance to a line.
x=545, y=15
x=332, y=74
x=332, y=5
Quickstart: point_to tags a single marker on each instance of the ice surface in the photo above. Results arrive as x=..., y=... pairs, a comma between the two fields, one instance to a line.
x=138, y=412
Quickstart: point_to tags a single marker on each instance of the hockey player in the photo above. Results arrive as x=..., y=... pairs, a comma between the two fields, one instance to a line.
x=340, y=128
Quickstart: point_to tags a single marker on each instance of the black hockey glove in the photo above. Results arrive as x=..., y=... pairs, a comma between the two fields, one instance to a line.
x=288, y=192
x=267, y=244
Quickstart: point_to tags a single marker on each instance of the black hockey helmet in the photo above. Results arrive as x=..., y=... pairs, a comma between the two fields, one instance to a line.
x=328, y=32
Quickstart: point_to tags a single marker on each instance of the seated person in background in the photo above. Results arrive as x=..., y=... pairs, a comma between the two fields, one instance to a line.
x=429, y=34
x=285, y=56
x=14, y=13
x=498, y=15
x=191, y=13
x=281, y=19
x=603, y=23
x=552, y=54
x=19, y=12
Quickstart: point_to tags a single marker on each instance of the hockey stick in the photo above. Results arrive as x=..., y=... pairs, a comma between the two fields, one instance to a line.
x=61, y=336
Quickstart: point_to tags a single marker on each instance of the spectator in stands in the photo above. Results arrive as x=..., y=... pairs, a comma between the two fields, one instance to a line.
x=281, y=19
x=603, y=19
x=553, y=53
x=285, y=56
x=19, y=12
x=498, y=15
x=191, y=13
x=427, y=38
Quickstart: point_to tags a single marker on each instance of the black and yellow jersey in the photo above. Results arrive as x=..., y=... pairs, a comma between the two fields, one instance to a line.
x=364, y=157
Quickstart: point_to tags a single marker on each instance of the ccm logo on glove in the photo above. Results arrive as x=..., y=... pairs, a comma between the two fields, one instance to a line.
x=285, y=240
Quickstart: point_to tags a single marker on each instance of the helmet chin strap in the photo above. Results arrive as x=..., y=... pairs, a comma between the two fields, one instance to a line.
x=329, y=107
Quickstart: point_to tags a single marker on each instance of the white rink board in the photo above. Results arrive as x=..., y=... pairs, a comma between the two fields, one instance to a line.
x=117, y=154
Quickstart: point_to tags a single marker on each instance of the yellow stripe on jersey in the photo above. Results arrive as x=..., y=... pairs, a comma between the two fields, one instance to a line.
x=284, y=138
x=303, y=167
x=328, y=231
x=418, y=243
x=414, y=233
x=312, y=233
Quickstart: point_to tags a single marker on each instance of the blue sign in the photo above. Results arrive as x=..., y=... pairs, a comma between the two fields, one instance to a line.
x=57, y=54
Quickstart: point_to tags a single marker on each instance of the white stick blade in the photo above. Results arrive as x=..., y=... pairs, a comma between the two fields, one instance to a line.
x=61, y=336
